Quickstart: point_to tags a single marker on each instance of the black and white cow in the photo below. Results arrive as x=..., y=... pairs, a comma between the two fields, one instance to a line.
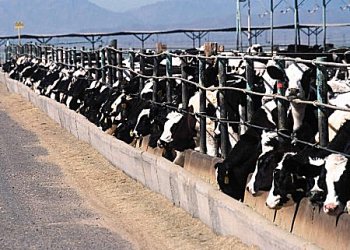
x=299, y=174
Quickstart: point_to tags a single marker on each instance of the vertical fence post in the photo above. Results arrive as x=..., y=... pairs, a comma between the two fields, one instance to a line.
x=223, y=114
x=120, y=65
x=66, y=57
x=40, y=52
x=132, y=65
x=142, y=70
x=250, y=79
x=110, y=68
x=52, y=53
x=321, y=82
x=281, y=104
x=57, y=55
x=45, y=54
x=155, y=81
x=31, y=50
x=97, y=65
x=114, y=59
x=89, y=63
x=202, y=108
x=103, y=69
x=74, y=57
x=169, y=73
x=82, y=57
x=184, y=90
x=6, y=53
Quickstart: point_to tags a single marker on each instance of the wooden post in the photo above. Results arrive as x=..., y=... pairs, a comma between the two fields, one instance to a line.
x=223, y=114
x=169, y=73
x=202, y=108
x=321, y=82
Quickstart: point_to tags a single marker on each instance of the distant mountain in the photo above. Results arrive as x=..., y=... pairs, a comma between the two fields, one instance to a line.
x=66, y=16
x=186, y=14
x=60, y=16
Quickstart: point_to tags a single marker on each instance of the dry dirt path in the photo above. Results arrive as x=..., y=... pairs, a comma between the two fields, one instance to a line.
x=64, y=189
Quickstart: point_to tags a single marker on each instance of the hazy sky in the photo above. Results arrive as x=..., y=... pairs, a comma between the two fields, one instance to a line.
x=122, y=5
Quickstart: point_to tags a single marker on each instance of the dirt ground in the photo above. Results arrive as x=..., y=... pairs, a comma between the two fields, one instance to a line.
x=145, y=218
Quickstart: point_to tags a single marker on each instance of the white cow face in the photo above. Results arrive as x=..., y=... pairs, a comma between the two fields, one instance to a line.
x=295, y=73
x=335, y=166
x=167, y=135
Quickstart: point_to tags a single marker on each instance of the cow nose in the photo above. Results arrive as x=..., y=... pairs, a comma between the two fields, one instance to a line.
x=293, y=91
x=160, y=143
x=330, y=208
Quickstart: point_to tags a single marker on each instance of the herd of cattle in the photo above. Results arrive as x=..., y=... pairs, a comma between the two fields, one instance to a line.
x=279, y=160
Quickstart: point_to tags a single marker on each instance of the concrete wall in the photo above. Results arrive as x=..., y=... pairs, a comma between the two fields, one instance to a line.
x=202, y=200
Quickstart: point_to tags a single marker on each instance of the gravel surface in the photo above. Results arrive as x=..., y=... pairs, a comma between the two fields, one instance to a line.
x=58, y=192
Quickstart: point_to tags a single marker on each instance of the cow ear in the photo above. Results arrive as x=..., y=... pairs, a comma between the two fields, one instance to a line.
x=275, y=70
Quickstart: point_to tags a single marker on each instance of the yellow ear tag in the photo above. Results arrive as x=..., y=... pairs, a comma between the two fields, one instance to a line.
x=226, y=179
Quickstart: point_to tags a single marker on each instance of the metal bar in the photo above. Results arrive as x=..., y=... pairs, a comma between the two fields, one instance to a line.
x=169, y=73
x=249, y=87
x=66, y=56
x=223, y=114
x=74, y=55
x=45, y=54
x=82, y=57
x=97, y=65
x=103, y=64
x=142, y=70
x=120, y=65
x=110, y=69
x=184, y=90
x=202, y=108
x=155, y=80
x=324, y=24
x=321, y=82
x=114, y=59
x=281, y=104
x=89, y=62
x=271, y=24
x=132, y=64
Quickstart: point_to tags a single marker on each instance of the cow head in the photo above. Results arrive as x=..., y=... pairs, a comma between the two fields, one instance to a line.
x=337, y=180
x=291, y=180
x=143, y=124
x=287, y=187
x=179, y=132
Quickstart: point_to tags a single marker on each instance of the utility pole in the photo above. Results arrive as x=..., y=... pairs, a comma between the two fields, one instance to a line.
x=238, y=24
x=249, y=25
x=324, y=19
x=296, y=25
x=272, y=8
